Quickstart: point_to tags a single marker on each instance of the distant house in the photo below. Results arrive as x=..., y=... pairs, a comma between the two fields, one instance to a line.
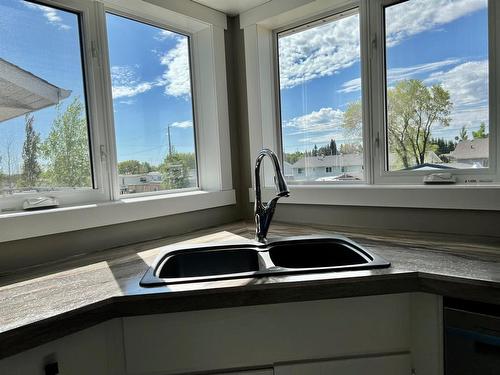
x=474, y=153
x=287, y=170
x=329, y=167
x=140, y=183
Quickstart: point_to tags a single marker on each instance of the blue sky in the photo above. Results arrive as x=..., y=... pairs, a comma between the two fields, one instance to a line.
x=150, y=73
x=320, y=68
x=151, y=90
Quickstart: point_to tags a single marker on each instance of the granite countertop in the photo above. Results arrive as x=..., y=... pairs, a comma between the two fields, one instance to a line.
x=47, y=302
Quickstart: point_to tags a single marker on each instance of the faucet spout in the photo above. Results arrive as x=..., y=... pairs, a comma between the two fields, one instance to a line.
x=264, y=212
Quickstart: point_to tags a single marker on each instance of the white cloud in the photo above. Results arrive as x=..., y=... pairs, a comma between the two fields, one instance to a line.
x=176, y=77
x=182, y=124
x=467, y=83
x=325, y=138
x=468, y=87
x=165, y=34
x=125, y=82
x=413, y=17
x=318, y=52
x=325, y=50
x=468, y=117
x=326, y=119
x=51, y=14
x=397, y=74
x=127, y=102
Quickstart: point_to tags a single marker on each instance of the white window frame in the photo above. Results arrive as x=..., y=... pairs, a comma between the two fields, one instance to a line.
x=382, y=175
x=97, y=136
x=260, y=25
x=104, y=205
x=332, y=16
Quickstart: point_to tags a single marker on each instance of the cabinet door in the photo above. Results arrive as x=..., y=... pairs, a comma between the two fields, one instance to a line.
x=384, y=365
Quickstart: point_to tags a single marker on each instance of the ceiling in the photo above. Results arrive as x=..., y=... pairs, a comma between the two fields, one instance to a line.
x=232, y=7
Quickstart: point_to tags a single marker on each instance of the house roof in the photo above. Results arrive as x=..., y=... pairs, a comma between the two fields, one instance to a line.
x=22, y=92
x=346, y=160
x=473, y=149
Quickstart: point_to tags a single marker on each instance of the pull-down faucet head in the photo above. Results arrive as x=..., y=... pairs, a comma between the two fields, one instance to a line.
x=264, y=212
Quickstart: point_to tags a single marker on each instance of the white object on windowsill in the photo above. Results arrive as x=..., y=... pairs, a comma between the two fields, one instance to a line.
x=40, y=203
x=440, y=178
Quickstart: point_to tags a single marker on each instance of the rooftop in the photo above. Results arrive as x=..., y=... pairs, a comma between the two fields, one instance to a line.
x=473, y=149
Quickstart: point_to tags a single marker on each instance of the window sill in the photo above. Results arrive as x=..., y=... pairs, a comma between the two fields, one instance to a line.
x=460, y=197
x=26, y=224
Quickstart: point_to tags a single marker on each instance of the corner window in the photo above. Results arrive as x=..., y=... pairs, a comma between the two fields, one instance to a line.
x=320, y=99
x=437, y=85
x=44, y=123
x=153, y=107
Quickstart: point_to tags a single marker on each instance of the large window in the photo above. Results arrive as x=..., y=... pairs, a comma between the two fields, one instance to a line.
x=437, y=84
x=44, y=127
x=153, y=112
x=98, y=103
x=389, y=93
x=320, y=100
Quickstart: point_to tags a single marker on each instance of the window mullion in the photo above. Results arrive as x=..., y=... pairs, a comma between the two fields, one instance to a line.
x=366, y=98
x=104, y=105
x=373, y=44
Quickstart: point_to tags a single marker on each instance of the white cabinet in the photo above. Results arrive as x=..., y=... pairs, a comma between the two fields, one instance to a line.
x=387, y=334
x=261, y=336
x=96, y=350
x=383, y=365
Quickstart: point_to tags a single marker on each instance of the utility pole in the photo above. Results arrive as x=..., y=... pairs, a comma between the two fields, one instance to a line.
x=169, y=142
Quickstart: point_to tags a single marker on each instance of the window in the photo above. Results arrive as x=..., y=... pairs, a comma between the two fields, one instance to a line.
x=44, y=122
x=97, y=102
x=153, y=110
x=320, y=99
x=427, y=108
x=437, y=85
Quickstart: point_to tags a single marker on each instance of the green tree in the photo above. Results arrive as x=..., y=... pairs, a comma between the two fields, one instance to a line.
x=134, y=167
x=462, y=136
x=175, y=169
x=481, y=133
x=353, y=120
x=293, y=157
x=66, y=149
x=412, y=110
x=315, y=151
x=31, y=169
x=333, y=147
x=351, y=148
x=442, y=146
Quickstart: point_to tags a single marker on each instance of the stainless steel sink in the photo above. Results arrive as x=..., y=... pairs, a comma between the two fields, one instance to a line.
x=278, y=256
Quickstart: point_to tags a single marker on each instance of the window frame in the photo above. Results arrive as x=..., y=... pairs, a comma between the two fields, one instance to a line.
x=260, y=60
x=325, y=17
x=104, y=205
x=118, y=11
x=100, y=191
x=379, y=120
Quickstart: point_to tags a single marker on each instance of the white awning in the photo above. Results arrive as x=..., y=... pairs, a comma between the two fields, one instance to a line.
x=22, y=92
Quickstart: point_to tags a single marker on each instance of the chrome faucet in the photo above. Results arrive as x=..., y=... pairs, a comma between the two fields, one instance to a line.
x=264, y=212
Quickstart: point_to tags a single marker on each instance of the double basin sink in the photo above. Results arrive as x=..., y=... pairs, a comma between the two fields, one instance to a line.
x=303, y=254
